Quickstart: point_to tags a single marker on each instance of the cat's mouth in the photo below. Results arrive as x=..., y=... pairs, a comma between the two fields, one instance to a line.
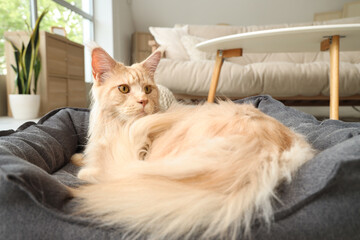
x=142, y=112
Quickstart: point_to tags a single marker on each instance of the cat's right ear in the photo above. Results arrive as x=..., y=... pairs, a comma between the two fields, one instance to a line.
x=101, y=63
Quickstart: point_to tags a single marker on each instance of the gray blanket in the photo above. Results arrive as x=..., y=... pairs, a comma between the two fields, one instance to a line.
x=322, y=202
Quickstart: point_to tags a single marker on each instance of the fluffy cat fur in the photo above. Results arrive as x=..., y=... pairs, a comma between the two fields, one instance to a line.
x=202, y=171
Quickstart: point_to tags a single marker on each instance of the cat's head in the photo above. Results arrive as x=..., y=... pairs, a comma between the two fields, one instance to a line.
x=123, y=91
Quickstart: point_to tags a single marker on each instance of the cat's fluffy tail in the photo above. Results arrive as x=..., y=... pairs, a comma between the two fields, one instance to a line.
x=163, y=203
x=165, y=209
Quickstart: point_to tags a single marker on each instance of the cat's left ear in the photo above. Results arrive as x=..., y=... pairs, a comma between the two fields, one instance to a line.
x=151, y=63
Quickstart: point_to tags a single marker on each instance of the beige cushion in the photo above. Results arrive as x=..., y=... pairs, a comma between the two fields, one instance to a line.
x=279, y=79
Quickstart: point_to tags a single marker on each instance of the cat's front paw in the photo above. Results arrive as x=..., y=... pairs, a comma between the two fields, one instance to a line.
x=77, y=159
x=89, y=174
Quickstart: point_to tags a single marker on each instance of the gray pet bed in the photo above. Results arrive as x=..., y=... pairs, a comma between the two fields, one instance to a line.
x=322, y=202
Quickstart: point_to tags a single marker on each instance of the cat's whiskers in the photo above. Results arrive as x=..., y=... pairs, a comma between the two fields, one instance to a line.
x=131, y=110
x=157, y=108
x=137, y=110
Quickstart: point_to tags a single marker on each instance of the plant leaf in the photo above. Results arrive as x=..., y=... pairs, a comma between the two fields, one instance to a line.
x=37, y=69
x=28, y=60
x=17, y=78
x=22, y=72
x=17, y=68
x=32, y=50
x=12, y=44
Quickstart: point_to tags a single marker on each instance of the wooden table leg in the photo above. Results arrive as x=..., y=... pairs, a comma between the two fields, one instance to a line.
x=221, y=54
x=334, y=77
x=215, y=76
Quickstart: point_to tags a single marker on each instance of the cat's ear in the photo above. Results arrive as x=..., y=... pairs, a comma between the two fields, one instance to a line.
x=101, y=63
x=151, y=63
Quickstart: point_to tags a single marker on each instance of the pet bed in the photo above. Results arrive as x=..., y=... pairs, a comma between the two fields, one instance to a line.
x=322, y=202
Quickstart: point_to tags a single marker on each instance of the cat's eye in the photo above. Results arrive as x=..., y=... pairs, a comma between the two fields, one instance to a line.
x=124, y=88
x=147, y=89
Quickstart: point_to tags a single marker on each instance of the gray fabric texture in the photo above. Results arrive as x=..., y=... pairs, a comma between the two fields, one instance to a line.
x=322, y=202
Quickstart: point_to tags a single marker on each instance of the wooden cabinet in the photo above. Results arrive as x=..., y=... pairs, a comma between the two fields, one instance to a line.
x=140, y=46
x=62, y=77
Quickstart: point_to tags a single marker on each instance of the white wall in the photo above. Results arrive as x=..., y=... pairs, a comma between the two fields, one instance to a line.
x=103, y=25
x=123, y=27
x=166, y=13
x=113, y=26
x=116, y=20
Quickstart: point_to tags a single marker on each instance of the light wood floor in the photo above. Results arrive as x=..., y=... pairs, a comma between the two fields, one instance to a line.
x=7, y=123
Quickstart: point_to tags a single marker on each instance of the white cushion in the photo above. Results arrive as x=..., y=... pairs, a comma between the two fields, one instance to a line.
x=170, y=39
x=189, y=42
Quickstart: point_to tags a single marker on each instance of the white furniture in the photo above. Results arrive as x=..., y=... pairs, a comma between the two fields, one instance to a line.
x=295, y=39
x=295, y=78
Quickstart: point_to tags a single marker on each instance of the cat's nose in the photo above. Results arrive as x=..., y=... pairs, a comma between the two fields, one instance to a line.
x=143, y=102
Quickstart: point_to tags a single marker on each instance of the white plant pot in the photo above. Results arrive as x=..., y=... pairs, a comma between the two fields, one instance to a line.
x=24, y=106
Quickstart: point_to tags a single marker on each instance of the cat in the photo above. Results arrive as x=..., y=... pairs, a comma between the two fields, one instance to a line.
x=134, y=94
x=205, y=171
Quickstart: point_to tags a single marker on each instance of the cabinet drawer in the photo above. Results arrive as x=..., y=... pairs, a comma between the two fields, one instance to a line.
x=57, y=93
x=56, y=57
x=141, y=41
x=75, y=57
x=57, y=100
x=57, y=85
x=76, y=93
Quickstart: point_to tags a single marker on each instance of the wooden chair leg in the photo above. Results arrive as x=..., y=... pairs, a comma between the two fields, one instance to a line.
x=334, y=77
x=215, y=76
x=221, y=54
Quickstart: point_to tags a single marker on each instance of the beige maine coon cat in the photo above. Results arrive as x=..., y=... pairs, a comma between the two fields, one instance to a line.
x=192, y=171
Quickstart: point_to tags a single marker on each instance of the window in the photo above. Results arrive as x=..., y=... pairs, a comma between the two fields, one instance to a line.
x=13, y=16
x=73, y=15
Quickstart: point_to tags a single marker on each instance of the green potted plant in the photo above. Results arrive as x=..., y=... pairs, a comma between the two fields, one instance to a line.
x=26, y=103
